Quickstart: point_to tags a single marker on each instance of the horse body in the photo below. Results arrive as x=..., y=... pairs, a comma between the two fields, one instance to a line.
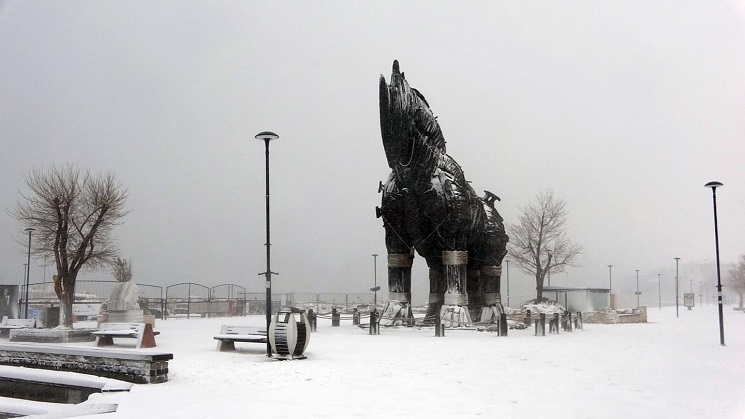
x=429, y=207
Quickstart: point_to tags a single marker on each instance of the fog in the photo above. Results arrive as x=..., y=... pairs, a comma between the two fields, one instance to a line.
x=624, y=109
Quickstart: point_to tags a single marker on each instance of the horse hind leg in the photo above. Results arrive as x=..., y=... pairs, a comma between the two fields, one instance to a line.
x=454, y=311
x=436, y=292
x=491, y=307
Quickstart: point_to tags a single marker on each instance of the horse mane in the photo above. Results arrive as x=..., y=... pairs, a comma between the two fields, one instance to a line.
x=426, y=123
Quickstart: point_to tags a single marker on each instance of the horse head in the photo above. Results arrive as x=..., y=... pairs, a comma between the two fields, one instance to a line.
x=407, y=125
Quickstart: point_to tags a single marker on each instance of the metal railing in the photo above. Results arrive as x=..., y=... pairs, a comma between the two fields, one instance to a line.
x=189, y=299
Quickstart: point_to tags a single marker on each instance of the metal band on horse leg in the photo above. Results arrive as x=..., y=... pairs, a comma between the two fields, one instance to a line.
x=492, y=298
x=436, y=298
x=400, y=260
x=456, y=299
x=400, y=296
x=491, y=270
x=454, y=257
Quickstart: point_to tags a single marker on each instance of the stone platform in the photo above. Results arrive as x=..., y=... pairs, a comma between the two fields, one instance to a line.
x=133, y=366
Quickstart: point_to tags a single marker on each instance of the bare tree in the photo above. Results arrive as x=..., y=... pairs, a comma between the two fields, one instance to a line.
x=73, y=213
x=539, y=243
x=736, y=279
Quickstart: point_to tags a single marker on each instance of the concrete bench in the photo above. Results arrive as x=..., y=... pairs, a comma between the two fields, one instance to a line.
x=231, y=334
x=139, y=367
x=108, y=331
x=6, y=325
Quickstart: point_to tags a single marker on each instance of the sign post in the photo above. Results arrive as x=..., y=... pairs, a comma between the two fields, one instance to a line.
x=689, y=300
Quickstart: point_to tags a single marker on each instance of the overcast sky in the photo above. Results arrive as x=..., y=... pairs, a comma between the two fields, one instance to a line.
x=624, y=109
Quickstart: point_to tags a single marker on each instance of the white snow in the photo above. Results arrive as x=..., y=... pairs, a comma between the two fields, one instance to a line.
x=669, y=367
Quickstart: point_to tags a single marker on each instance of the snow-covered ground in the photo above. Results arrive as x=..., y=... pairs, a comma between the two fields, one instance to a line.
x=670, y=367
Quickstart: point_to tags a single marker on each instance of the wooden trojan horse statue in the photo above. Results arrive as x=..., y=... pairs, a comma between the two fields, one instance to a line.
x=429, y=208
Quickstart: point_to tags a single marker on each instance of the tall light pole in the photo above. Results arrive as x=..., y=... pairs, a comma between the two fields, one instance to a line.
x=638, y=294
x=610, y=286
x=508, y=282
x=714, y=185
x=676, y=286
x=659, y=290
x=267, y=136
x=28, y=270
x=549, y=268
x=375, y=288
x=700, y=294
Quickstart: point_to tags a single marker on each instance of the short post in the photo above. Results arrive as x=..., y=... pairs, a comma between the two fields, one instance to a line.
x=503, y=324
x=553, y=325
x=374, y=323
x=312, y=320
x=527, y=318
x=335, y=317
x=578, y=321
x=569, y=320
x=356, y=318
x=438, y=325
x=540, y=325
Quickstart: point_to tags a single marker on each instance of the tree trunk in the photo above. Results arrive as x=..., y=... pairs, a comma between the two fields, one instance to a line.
x=65, y=290
x=539, y=285
x=538, y=288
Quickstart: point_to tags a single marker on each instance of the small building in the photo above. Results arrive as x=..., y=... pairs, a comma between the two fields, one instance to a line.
x=579, y=299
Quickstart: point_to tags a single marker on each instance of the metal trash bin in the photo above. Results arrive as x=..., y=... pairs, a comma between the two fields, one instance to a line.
x=288, y=335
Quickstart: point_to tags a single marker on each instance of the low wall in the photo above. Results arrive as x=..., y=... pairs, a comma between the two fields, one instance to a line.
x=139, y=367
x=636, y=315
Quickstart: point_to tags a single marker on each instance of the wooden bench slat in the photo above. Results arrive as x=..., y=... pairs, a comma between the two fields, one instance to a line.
x=108, y=331
x=230, y=334
x=242, y=338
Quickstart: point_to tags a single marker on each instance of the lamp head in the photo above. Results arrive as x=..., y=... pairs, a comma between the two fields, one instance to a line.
x=29, y=230
x=714, y=184
x=266, y=136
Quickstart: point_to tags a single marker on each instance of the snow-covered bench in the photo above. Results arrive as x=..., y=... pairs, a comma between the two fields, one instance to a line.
x=108, y=331
x=231, y=334
x=6, y=325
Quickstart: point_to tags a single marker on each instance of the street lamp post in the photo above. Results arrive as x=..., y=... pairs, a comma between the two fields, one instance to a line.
x=610, y=286
x=267, y=136
x=700, y=294
x=638, y=294
x=676, y=286
x=714, y=185
x=28, y=270
x=659, y=290
x=508, y=282
x=549, y=268
x=375, y=288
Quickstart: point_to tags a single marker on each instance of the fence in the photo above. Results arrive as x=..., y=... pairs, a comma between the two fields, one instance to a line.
x=192, y=299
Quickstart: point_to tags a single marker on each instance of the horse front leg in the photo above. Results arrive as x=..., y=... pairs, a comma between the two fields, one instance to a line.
x=398, y=307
